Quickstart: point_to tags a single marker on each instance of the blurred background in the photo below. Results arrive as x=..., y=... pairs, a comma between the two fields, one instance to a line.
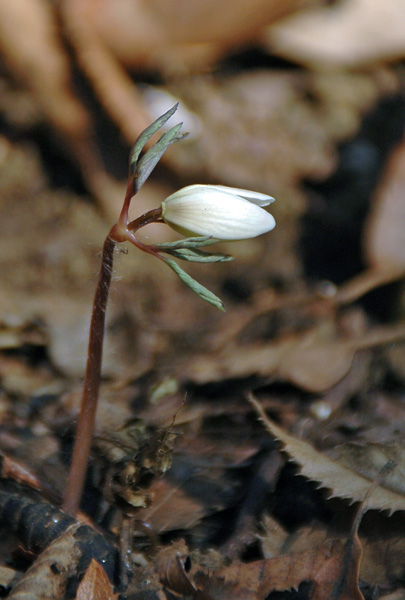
x=299, y=99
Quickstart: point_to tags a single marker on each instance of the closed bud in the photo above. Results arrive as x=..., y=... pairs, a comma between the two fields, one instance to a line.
x=223, y=213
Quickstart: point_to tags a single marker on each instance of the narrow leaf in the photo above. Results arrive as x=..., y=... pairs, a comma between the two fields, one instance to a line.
x=193, y=242
x=147, y=134
x=148, y=162
x=197, y=288
x=193, y=255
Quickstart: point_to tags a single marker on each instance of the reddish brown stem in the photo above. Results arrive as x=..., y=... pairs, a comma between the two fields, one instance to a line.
x=85, y=427
x=121, y=232
x=152, y=216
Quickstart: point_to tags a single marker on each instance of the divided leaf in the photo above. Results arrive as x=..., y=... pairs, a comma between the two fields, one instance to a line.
x=141, y=168
x=192, y=242
x=148, y=162
x=192, y=255
x=146, y=136
x=188, y=249
x=197, y=288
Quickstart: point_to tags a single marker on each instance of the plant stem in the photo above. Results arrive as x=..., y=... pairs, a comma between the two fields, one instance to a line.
x=152, y=216
x=85, y=427
x=121, y=232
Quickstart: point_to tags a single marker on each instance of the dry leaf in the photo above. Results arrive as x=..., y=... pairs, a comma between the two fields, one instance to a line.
x=383, y=547
x=41, y=63
x=313, y=360
x=385, y=231
x=95, y=584
x=397, y=595
x=337, y=578
x=342, y=480
x=383, y=559
x=332, y=566
x=49, y=574
x=179, y=33
x=273, y=537
x=171, y=508
x=8, y=577
x=12, y=469
x=172, y=566
x=368, y=460
x=343, y=34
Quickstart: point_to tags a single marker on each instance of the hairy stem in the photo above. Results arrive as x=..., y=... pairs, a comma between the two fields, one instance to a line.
x=85, y=426
x=121, y=232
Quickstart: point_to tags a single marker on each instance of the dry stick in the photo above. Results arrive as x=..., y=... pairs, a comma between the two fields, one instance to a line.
x=85, y=427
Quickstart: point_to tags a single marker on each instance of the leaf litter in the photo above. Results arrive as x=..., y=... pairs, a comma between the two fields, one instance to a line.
x=228, y=516
x=353, y=471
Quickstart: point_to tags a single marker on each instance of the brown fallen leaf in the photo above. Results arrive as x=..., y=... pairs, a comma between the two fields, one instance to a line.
x=397, y=595
x=172, y=565
x=314, y=360
x=95, y=584
x=383, y=547
x=366, y=281
x=342, y=480
x=42, y=65
x=343, y=34
x=198, y=484
x=385, y=230
x=384, y=234
x=171, y=508
x=8, y=578
x=66, y=546
x=337, y=578
x=369, y=459
x=13, y=469
x=272, y=538
x=239, y=581
x=49, y=574
x=383, y=559
x=114, y=87
x=179, y=34
x=332, y=566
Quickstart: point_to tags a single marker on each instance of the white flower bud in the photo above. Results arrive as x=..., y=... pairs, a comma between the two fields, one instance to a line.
x=221, y=212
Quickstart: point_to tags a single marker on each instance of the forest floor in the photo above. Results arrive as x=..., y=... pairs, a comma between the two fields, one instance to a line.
x=256, y=454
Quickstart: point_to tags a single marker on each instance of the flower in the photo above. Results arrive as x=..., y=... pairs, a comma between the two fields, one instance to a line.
x=223, y=213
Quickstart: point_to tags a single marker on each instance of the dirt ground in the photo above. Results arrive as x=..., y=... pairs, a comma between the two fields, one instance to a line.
x=256, y=454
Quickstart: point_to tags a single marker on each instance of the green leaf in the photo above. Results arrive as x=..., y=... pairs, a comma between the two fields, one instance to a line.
x=147, y=134
x=193, y=255
x=193, y=242
x=148, y=162
x=197, y=288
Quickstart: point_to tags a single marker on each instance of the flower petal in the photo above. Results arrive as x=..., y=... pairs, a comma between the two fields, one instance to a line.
x=207, y=210
x=254, y=197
